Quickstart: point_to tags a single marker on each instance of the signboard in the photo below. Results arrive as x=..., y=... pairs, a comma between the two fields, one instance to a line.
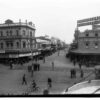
x=88, y=21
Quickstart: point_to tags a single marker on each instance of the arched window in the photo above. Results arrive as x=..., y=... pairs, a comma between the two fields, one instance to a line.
x=30, y=33
x=24, y=44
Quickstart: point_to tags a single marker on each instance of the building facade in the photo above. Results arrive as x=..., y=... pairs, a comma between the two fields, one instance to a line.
x=16, y=39
x=89, y=39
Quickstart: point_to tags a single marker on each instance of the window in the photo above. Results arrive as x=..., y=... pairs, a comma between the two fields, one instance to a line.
x=96, y=44
x=1, y=44
x=10, y=33
x=17, y=32
x=30, y=33
x=1, y=33
x=7, y=33
x=23, y=32
x=17, y=43
x=24, y=44
x=9, y=44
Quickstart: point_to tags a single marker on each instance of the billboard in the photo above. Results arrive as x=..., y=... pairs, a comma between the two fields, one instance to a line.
x=88, y=21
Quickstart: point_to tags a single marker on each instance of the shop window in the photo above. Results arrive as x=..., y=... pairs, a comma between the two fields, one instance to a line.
x=87, y=44
x=1, y=33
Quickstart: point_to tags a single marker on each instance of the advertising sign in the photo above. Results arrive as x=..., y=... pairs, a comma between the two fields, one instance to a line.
x=88, y=21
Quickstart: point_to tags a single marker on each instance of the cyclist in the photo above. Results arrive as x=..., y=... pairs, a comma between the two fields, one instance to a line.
x=34, y=84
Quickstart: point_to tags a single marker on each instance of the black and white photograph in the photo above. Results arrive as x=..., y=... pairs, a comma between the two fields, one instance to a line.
x=49, y=48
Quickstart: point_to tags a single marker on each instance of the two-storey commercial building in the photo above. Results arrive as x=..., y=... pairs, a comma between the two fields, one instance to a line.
x=17, y=40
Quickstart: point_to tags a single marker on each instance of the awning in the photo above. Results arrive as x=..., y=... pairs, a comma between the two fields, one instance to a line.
x=87, y=52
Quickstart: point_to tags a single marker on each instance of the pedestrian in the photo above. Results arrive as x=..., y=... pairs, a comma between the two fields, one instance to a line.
x=81, y=73
x=24, y=80
x=44, y=60
x=74, y=62
x=11, y=65
x=38, y=66
x=58, y=53
x=49, y=82
x=52, y=65
x=32, y=70
x=29, y=68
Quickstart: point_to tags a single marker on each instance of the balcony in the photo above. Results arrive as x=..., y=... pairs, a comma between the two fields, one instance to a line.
x=18, y=24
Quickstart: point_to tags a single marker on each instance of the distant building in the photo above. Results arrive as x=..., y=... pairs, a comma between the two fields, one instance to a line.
x=43, y=42
x=16, y=39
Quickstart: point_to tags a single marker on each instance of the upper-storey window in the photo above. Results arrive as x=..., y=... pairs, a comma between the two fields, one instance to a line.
x=24, y=44
x=96, y=44
x=30, y=33
x=24, y=33
x=87, y=44
x=17, y=32
x=1, y=33
x=7, y=33
x=18, y=45
x=87, y=34
x=10, y=33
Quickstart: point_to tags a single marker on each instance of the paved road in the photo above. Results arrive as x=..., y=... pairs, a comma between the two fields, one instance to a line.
x=10, y=80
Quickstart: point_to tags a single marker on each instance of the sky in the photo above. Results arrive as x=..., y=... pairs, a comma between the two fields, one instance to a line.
x=56, y=18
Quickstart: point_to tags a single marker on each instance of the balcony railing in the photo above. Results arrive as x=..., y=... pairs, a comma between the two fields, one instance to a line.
x=17, y=24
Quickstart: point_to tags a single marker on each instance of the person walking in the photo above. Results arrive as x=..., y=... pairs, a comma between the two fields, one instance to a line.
x=24, y=80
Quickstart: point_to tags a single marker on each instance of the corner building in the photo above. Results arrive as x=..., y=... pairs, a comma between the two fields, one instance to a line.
x=16, y=39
